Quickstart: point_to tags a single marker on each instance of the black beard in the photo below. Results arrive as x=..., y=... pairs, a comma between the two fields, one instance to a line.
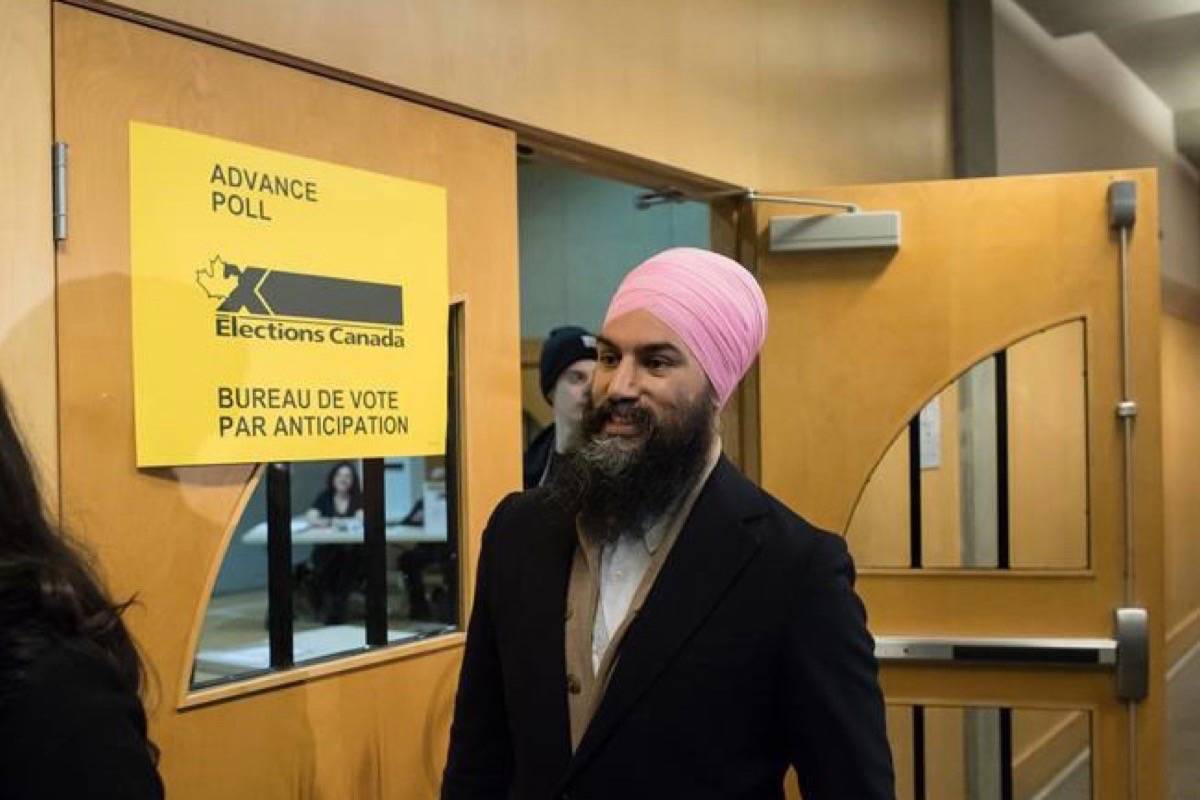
x=618, y=484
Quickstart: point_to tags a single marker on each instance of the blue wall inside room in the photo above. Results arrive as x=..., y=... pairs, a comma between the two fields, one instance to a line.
x=580, y=234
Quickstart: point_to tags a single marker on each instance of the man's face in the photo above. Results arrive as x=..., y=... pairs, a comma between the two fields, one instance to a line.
x=647, y=430
x=644, y=369
x=570, y=393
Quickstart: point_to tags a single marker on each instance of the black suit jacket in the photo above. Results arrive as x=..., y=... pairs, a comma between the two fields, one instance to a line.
x=750, y=654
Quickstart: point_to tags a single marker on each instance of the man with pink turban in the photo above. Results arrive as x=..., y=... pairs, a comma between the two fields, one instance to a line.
x=652, y=624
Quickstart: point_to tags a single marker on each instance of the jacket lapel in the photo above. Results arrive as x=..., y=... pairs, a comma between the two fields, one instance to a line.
x=711, y=550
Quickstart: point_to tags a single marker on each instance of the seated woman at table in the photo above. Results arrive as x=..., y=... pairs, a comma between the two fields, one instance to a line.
x=71, y=718
x=337, y=568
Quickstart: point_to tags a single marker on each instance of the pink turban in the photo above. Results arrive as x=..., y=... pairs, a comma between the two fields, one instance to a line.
x=710, y=301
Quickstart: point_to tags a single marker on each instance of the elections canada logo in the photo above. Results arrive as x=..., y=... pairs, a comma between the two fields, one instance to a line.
x=280, y=306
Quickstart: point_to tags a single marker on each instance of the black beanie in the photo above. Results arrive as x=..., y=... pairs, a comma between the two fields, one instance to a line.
x=564, y=346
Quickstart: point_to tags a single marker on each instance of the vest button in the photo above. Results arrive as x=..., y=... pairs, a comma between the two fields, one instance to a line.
x=573, y=685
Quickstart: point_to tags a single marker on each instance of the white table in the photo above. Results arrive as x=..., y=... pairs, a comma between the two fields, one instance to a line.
x=305, y=533
x=306, y=646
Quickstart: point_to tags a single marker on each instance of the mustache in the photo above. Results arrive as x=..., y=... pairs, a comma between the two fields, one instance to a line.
x=624, y=411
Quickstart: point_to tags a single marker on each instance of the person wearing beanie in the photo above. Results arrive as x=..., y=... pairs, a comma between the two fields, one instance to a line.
x=653, y=624
x=568, y=358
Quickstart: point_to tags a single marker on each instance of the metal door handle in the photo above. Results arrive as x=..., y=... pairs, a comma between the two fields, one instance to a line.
x=998, y=650
x=1128, y=654
x=1133, y=666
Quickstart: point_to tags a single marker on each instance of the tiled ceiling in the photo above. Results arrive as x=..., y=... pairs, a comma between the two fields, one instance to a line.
x=1157, y=39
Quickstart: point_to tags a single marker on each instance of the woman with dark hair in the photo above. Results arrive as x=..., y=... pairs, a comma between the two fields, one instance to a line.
x=341, y=498
x=71, y=718
x=337, y=568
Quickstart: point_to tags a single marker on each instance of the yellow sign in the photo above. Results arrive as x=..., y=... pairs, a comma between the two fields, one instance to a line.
x=283, y=308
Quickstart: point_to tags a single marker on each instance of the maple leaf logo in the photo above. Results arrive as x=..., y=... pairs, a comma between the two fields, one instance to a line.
x=217, y=279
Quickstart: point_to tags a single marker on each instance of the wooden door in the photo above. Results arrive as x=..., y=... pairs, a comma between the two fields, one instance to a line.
x=371, y=726
x=1003, y=303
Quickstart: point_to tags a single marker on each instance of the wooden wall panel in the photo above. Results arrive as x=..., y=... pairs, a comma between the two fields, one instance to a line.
x=380, y=730
x=27, y=335
x=755, y=93
x=1045, y=742
x=1181, y=478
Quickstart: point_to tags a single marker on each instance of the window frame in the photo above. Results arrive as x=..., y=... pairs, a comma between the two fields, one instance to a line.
x=282, y=669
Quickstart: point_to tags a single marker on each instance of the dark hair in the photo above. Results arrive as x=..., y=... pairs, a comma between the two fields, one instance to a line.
x=355, y=485
x=49, y=593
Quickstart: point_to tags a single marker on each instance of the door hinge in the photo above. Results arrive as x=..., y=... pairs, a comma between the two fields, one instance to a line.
x=59, y=161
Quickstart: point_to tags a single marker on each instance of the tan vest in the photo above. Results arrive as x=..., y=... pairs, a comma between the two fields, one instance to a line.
x=585, y=687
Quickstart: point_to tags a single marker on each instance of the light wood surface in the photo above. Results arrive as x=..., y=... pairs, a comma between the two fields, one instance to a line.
x=1047, y=450
x=1047, y=734
x=860, y=341
x=755, y=93
x=941, y=492
x=27, y=332
x=1047, y=460
x=878, y=533
x=945, y=753
x=1181, y=478
x=900, y=737
x=379, y=729
x=1043, y=742
x=1184, y=635
x=1181, y=300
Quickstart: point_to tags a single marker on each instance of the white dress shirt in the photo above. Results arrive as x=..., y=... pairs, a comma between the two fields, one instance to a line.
x=623, y=564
